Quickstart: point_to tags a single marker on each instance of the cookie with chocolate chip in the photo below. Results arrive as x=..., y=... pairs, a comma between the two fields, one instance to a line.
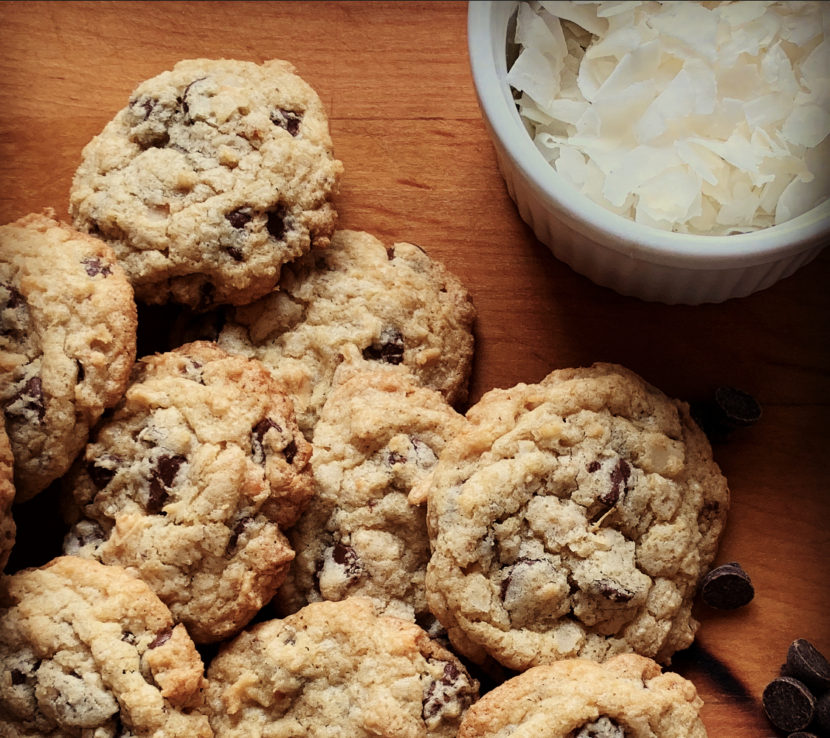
x=7, y=525
x=214, y=175
x=190, y=484
x=625, y=697
x=67, y=342
x=573, y=517
x=358, y=301
x=379, y=433
x=337, y=669
x=87, y=649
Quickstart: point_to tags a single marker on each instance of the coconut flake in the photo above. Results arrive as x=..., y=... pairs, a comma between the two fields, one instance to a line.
x=694, y=117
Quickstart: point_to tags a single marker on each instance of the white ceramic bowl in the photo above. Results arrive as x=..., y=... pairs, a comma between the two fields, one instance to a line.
x=631, y=258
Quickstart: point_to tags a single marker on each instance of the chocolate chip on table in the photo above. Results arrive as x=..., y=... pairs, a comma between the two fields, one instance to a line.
x=789, y=704
x=807, y=664
x=727, y=587
x=738, y=408
x=823, y=713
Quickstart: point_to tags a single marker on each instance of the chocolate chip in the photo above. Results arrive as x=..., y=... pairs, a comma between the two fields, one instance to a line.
x=619, y=476
x=15, y=298
x=161, y=479
x=101, y=476
x=727, y=587
x=789, y=704
x=393, y=457
x=258, y=439
x=94, y=267
x=290, y=451
x=239, y=218
x=389, y=349
x=237, y=531
x=128, y=637
x=235, y=253
x=594, y=466
x=807, y=664
x=347, y=557
x=30, y=398
x=613, y=591
x=288, y=119
x=451, y=687
x=275, y=225
x=605, y=727
x=738, y=408
x=823, y=713
x=161, y=638
x=18, y=677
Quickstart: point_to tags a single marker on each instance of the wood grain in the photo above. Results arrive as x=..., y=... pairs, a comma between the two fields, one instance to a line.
x=419, y=167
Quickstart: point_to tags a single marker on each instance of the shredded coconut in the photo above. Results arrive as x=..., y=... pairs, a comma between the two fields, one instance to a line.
x=695, y=117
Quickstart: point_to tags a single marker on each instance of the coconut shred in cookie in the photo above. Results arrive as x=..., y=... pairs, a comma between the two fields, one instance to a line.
x=708, y=118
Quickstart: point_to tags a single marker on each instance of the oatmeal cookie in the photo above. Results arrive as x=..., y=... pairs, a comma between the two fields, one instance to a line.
x=358, y=301
x=67, y=342
x=190, y=484
x=625, y=697
x=86, y=649
x=379, y=433
x=337, y=669
x=215, y=174
x=574, y=517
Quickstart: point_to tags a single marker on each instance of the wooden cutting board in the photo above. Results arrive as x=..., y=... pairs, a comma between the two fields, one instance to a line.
x=419, y=167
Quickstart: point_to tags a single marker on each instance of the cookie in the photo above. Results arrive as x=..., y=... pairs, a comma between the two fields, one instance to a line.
x=190, y=484
x=337, y=669
x=7, y=526
x=87, y=649
x=67, y=342
x=358, y=301
x=574, y=517
x=379, y=433
x=215, y=174
x=625, y=697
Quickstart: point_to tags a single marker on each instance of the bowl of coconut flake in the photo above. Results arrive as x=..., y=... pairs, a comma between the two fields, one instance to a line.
x=676, y=152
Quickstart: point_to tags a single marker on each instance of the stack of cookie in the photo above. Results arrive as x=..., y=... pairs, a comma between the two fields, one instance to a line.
x=286, y=487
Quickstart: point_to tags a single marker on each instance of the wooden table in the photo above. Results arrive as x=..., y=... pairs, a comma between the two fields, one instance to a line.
x=419, y=167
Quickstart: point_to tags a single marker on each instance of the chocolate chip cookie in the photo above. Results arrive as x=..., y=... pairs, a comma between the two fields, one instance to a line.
x=190, y=484
x=7, y=526
x=87, y=649
x=337, y=669
x=215, y=174
x=574, y=517
x=67, y=342
x=378, y=434
x=358, y=301
x=624, y=697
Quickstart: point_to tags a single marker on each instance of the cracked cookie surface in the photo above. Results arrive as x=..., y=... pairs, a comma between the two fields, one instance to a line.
x=379, y=433
x=190, y=484
x=337, y=669
x=67, y=342
x=358, y=301
x=574, y=517
x=86, y=649
x=215, y=174
x=625, y=697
